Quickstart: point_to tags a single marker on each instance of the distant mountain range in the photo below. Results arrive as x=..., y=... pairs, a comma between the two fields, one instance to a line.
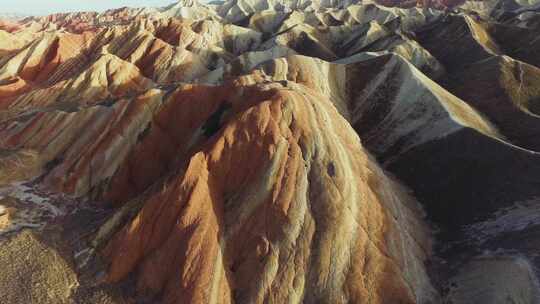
x=12, y=16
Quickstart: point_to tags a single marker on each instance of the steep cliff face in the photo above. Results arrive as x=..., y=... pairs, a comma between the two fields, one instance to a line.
x=273, y=152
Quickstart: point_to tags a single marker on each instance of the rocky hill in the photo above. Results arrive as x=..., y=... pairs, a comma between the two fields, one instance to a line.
x=271, y=151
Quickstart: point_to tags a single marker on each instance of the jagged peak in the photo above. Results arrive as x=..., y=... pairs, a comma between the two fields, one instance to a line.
x=184, y=3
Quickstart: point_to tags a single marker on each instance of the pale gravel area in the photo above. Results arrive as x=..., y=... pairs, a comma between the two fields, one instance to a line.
x=32, y=272
x=23, y=206
x=39, y=247
x=495, y=280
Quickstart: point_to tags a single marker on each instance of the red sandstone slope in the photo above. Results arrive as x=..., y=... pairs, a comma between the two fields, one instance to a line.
x=256, y=195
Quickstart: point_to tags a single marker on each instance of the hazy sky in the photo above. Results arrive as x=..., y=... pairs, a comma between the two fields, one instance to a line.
x=43, y=7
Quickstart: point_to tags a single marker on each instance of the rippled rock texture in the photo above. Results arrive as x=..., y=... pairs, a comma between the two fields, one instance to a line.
x=273, y=152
